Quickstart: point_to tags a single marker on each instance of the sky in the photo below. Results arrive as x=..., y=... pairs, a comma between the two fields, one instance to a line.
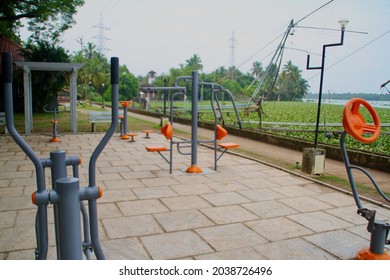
x=158, y=35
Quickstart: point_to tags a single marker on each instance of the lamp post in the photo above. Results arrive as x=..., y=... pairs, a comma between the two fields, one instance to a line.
x=102, y=95
x=343, y=24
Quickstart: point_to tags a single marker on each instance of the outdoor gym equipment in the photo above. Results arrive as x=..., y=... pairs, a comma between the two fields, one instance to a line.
x=356, y=126
x=54, y=108
x=219, y=131
x=124, y=135
x=66, y=194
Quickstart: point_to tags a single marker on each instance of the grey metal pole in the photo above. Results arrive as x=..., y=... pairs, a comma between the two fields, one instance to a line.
x=69, y=222
x=322, y=68
x=40, y=175
x=58, y=171
x=92, y=162
x=194, y=168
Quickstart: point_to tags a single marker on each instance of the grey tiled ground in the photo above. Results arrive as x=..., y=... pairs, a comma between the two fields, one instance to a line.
x=245, y=210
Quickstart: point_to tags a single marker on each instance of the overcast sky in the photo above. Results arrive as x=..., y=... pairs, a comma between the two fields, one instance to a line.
x=158, y=35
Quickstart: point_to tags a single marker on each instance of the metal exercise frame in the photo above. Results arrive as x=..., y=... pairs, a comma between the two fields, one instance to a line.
x=54, y=108
x=66, y=194
x=194, y=141
x=379, y=229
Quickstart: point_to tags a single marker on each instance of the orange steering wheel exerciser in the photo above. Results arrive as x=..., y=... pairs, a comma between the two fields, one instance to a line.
x=355, y=124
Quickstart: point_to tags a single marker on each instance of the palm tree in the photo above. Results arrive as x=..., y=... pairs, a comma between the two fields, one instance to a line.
x=90, y=50
x=194, y=63
x=257, y=69
x=291, y=84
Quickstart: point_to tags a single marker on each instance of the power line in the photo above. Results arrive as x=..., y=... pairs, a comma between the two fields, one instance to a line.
x=126, y=13
x=352, y=53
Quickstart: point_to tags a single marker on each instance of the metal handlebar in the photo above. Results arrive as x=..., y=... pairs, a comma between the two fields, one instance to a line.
x=41, y=197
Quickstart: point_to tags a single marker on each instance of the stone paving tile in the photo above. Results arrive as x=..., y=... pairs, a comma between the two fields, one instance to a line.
x=225, y=198
x=305, y=204
x=278, y=228
x=193, y=178
x=293, y=191
x=336, y=199
x=175, y=245
x=227, y=186
x=340, y=243
x=258, y=183
x=349, y=214
x=124, y=249
x=232, y=236
x=192, y=189
x=11, y=191
x=29, y=254
x=123, y=184
x=293, y=249
x=139, y=193
x=4, y=183
x=228, y=214
x=360, y=230
x=319, y=221
x=16, y=175
x=113, y=169
x=145, y=167
x=157, y=182
x=8, y=219
x=131, y=226
x=182, y=220
x=108, y=176
x=138, y=175
x=141, y=207
x=117, y=195
x=16, y=203
x=223, y=177
x=154, y=192
x=18, y=238
x=185, y=202
x=27, y=217
x=247, y=253
x=287, y=180
x=261, y=194
x=253, y=174
x=108, y=210
x=269, y=209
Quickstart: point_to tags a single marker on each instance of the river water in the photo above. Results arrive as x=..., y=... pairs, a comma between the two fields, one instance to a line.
x=374, y=103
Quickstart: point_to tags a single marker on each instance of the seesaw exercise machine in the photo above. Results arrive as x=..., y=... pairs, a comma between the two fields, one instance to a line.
x=66, y=195
x=355, y=125
x=219, y=131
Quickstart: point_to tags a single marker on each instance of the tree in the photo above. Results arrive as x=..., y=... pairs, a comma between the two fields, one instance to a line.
x=45, y=84
x=291, y=85
x=128, y=84
x=194, y=63
x=257, y=69
x=46, y=19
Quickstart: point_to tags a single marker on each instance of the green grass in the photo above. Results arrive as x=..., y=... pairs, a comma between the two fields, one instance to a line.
x=41, y=122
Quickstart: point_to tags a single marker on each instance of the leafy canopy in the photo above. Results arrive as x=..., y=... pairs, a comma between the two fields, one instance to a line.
x=47, y=18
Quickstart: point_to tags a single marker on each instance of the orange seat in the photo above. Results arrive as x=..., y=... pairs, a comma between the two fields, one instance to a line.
x=221, y=132
x=156, y=148
x=167, y=131
x=132, y=134
x=228, y=145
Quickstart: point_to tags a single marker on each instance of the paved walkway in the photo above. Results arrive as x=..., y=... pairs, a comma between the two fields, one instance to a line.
x=245, y=210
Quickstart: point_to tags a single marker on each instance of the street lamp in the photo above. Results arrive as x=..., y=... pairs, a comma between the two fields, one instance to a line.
x=343, y=23
x=313, y=160
x=102, y=95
